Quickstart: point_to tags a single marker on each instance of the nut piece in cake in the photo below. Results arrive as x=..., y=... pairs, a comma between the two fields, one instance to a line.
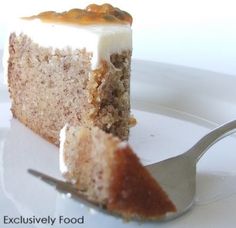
x=108, y=172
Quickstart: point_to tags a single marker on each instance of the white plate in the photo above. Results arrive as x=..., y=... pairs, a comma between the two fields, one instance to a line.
x=174, y=106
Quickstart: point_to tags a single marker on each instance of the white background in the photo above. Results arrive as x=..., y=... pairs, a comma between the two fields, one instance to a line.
x=200, y=34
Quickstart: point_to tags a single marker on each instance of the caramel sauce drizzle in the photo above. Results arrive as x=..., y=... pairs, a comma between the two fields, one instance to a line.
x=92, y=14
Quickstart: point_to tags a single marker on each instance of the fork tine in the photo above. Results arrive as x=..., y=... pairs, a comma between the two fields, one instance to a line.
x=52, y=181
x=66, y=187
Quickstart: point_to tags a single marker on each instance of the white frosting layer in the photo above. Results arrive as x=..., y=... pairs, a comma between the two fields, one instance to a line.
x=101, y=40
x=62, y=165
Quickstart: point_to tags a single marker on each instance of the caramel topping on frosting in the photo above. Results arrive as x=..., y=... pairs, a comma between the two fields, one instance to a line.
x=92, y=14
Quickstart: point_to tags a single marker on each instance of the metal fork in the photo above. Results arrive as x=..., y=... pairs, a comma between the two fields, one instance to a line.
x=176, y=175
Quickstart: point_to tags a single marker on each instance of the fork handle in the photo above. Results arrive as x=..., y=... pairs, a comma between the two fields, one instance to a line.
x=199, y=149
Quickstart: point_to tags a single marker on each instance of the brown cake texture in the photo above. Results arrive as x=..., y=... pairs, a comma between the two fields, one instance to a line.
x=50, y=87
x=54, y=88
x=109, y=173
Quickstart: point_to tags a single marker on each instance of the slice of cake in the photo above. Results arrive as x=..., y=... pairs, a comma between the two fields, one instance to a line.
x=71, y=67
x=108, y=172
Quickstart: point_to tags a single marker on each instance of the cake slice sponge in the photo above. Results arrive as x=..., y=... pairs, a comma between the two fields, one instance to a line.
x=109, y=173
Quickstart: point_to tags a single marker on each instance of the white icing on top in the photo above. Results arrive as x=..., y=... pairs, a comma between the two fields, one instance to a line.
x=101, y=40
x=62, y=165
